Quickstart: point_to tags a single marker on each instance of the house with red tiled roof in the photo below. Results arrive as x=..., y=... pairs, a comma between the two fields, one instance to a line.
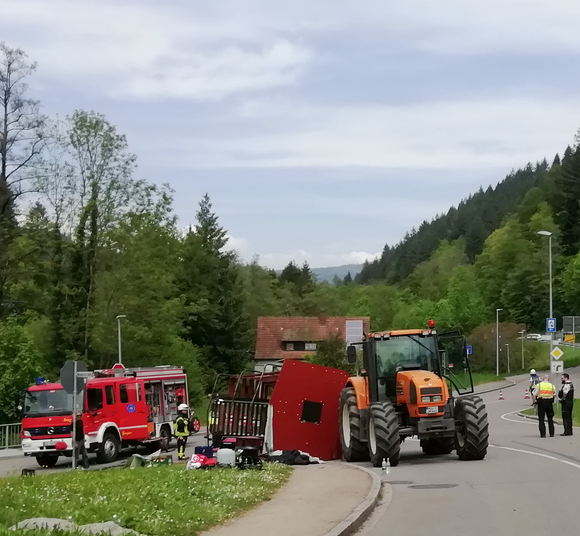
x=296, y=337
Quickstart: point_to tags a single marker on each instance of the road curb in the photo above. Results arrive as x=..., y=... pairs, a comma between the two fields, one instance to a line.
x=510, y=383
x=361, y=513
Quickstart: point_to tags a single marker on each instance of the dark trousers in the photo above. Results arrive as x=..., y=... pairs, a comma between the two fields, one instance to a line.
x=81, y=450
x=181, y=442
x=546, y=409
x=567, y=417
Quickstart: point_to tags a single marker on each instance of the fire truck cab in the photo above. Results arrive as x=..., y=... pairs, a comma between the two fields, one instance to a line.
x=122, y=407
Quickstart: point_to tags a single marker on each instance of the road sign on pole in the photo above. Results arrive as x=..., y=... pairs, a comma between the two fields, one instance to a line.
x=557, y=367
x=551, y=325
x=556, y=353
x=67, y=375
x=468, y=348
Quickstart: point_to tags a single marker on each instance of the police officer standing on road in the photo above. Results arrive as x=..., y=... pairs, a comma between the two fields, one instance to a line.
x=544, y=395
x=181, y=430
x=566, y=396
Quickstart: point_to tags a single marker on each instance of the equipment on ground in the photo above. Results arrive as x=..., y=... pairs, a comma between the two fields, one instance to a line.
x=405, y=389
x=501, y=395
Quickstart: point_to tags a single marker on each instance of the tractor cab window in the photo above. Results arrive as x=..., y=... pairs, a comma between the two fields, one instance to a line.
x=405, y=353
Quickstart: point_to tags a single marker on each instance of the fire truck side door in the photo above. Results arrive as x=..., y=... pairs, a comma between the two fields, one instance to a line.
x=95, y=414
x=132, y=414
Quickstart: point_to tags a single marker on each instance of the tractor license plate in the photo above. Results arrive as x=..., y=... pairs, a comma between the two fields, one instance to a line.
x=432, y=409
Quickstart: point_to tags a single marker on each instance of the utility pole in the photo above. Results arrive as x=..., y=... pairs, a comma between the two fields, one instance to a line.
x=508, y=357
x=549, y=235
x=119, y=335
x=497, y=341
x=522, y=333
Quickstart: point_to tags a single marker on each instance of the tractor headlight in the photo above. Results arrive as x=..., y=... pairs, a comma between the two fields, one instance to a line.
x=425, y=399
x=437, y=398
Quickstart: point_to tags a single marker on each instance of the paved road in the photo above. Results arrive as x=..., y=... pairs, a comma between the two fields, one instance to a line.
x=10, y=466
x=526, y=485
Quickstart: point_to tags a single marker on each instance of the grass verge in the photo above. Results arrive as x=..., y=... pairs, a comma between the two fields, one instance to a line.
x=558, y=412
x=162, y=501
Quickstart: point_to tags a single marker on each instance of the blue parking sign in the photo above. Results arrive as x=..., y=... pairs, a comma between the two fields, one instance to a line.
x=551, y=325
x=468, y=350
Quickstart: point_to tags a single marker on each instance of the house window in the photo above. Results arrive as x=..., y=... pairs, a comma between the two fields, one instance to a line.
x=310, y=346
x=289, y=346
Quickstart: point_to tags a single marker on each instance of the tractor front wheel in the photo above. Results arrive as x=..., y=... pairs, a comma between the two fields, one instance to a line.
x=384, y=440
x=471, y=428
x=353, y=448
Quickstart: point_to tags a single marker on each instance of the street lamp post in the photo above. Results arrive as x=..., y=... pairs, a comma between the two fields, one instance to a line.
x=119, y=335
x=549, y=235
x=508, y=357
x=522, y=333
x=497, y=341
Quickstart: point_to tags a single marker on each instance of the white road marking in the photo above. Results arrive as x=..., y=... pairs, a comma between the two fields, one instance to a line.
x=521, y=421
x=537, y=454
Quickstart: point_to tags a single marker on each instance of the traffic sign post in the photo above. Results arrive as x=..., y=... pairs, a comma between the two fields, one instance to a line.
x=73, y=376
x=468, y=348
x=557, y=367
x=551, y=325
x=556, y=353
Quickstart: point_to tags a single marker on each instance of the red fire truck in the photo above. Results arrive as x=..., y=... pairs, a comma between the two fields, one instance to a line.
x=122, y=407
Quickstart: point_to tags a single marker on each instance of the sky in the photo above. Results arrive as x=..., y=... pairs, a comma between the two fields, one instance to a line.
x=321, y=130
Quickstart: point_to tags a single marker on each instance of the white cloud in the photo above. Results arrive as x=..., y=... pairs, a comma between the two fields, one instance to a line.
x=457, y=134
x=358, y=257
x=151, y=50
x=239, y=245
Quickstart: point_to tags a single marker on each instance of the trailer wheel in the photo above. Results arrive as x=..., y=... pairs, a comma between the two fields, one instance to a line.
x=433, y=447
x=109, y=448
x=384, y=439
x=46, y=460
x=353, y=448
x=471, y=428
x=195, y=425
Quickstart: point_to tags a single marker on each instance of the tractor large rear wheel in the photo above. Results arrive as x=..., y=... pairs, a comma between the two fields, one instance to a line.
x=433, y=447
x=471, y=428
x=353, y=448
x=384, y=440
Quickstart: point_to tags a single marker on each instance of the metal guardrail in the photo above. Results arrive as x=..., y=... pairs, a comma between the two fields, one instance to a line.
x=10, y=435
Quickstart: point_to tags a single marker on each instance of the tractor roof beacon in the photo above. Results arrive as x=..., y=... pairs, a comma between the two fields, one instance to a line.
x=406, y=389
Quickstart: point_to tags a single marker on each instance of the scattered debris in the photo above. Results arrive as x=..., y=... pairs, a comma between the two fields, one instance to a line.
x=48, y=523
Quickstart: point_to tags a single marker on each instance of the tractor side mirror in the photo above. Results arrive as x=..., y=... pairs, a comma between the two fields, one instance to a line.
x=351, y=354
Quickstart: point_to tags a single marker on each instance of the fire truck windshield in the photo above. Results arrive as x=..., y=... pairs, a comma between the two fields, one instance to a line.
x=405, y=353
x=47, y=403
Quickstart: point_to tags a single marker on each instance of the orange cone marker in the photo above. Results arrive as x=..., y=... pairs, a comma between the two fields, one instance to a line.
x=527, y=394
x=501, y=395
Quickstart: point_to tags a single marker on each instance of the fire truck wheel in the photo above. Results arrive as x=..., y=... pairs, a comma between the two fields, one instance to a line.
x=353, y=448
x=46, y=460
x=165, y=434
x=108, y=449
x=384, y=438
x=471, y=428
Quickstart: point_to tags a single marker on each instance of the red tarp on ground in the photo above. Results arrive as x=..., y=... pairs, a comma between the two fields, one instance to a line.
x=305, y=401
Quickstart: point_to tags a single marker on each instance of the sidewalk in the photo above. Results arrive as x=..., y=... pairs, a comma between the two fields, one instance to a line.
x=312, y=503
x=11, y=453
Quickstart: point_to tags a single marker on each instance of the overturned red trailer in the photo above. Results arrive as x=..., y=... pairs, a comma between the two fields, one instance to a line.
x=295, y=408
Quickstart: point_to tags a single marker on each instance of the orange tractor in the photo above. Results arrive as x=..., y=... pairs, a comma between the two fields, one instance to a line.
x=406, y=389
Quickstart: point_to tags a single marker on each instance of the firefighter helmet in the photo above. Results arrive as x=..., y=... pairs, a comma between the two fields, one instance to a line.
x=183, y=407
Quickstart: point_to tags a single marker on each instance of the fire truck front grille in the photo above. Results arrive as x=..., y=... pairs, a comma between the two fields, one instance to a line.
x=50, y=431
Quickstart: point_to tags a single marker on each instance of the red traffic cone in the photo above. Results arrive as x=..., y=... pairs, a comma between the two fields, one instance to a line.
x=527, y=394
x=501, y=395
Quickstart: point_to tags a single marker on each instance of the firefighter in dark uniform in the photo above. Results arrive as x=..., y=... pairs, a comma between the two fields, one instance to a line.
x=544, y=395
x=181, y=430
x=566, y=396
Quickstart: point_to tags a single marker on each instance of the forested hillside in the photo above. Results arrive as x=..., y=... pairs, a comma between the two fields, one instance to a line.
x=473, y=221
x=84, y=239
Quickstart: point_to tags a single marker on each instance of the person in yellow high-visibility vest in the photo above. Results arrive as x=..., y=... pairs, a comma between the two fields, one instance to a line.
x=544, y=395
x=181, y=430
